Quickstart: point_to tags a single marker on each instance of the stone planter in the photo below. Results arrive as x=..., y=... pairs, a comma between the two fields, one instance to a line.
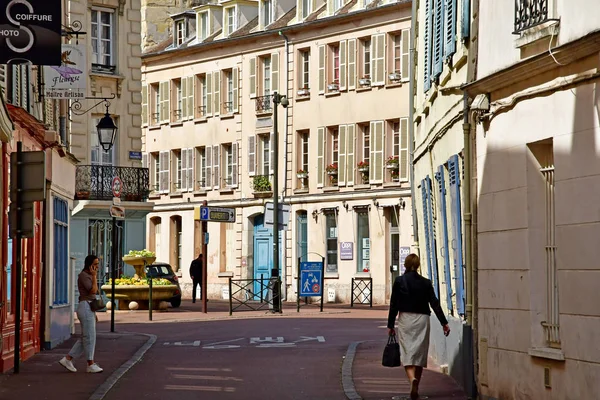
x=263, y=195
x=363, y=170
x=303, y=92
x=139, y=263
x=391, y=166
x=140, y=294
x=302, y=175
x=364, y=82
x=395, y=76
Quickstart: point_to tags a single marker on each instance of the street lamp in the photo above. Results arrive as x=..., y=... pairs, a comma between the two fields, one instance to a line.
x=107, y=130
x=283, y=100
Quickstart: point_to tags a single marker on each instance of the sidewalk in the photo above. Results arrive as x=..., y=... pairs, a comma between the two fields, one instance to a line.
x=42, y=378
x=372, y=381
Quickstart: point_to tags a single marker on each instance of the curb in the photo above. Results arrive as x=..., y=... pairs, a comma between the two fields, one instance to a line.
x=347, y=379
x=103, y=389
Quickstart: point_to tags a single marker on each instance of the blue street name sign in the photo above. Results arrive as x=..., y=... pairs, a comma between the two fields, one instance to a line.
x=135, y=155
x=311, y=279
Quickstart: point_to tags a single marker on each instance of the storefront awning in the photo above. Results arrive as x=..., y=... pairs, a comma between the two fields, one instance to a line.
x=101, y=209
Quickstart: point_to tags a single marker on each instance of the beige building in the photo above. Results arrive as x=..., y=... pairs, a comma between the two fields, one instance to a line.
x=343, y=139
x=445, y=52
x=537, y=175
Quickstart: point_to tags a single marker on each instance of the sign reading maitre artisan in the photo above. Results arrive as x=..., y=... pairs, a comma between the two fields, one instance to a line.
x=30, y=31
x=67, y=81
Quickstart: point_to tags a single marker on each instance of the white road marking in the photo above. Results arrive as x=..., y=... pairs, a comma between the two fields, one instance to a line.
x=277, y=345
x=321, y=339
x=226, y=341
x=267, y=339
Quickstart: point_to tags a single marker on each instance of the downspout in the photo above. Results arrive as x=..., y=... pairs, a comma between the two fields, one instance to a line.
x=467, y=212
x=285, y=155
x=411, y=124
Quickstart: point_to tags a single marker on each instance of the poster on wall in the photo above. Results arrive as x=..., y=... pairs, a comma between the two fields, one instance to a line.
x=404, y=252
x=67, y=81
x=30, y=31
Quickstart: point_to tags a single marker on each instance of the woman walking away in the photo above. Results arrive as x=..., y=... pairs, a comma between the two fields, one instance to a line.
x=412, y=295
x=88, y=288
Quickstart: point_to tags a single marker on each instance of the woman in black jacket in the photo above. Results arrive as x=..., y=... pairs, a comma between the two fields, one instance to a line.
x=412, y=295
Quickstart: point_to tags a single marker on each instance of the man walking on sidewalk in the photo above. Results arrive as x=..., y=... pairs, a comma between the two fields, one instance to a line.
x=196, y=275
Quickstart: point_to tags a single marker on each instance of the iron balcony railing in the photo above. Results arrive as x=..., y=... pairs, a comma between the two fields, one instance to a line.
x=263, y=104
x=94, y=182
x=530, y=13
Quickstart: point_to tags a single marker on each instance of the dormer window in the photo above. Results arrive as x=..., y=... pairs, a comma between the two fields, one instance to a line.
x=306, y=8
x=267, y=12
x=180, y=32
x=203, y=25
x=337, y=4
x=230, y=20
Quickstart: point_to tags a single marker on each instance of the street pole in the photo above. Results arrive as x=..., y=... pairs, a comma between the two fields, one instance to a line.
x=275, y=270
x=113, y=273
x=204, y=261
x=18, y=269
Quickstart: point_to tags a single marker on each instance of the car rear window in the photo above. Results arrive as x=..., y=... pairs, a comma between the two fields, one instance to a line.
x=158, y=270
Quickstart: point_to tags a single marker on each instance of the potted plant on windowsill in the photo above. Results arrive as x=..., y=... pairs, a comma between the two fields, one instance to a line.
x=392, y=163
x=302, y=174
x=304, y=91
x=332, y=169
x=334, y=86
x=262, y=185
x=365, y=80
x=363, y=166
x=395, y=76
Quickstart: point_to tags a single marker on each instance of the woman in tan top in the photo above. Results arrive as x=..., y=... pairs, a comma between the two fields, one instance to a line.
x=87, y=284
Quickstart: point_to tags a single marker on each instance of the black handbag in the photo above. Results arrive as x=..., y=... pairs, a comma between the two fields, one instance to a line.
x=391, y=353
x=97, y=304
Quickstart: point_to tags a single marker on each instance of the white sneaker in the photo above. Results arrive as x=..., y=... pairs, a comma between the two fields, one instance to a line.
x=68, y=364
x=94, y=368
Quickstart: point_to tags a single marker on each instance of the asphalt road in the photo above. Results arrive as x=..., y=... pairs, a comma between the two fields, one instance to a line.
x=266, y=358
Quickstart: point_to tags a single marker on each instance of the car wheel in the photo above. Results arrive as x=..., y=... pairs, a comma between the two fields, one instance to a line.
x=176, y=302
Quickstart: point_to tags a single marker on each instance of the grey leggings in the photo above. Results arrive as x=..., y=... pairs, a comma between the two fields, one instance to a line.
x=87, y=320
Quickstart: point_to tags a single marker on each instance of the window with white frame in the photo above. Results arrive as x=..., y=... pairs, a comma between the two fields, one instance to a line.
x=228, y=104
x=267, y=12
x=201, y=168
x=203, y=26
x=97, y=154
x=398, y=56
x=230, y=155
x=178, y=103
x=397, y=53
x=103, y=53
x=155, y=165
x=203, y=88
x=304, y=69
x=331, y=235
x=230, y=20
x=177, y=169
x=303, y=140
x=180, y=32
x=306, y=8
x=266, y=69
x=335, y=145
x=335, y=63
x=265, y=152
x=337, y=4
x=366, y=58
x=363, y=240
x=157, y=233
x=155, y=104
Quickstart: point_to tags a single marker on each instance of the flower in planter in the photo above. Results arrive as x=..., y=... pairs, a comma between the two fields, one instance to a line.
x=392, y=161
x=332, y=168
x=261, y=183
x=366, y=76
x=302, y=172
x=363, y=164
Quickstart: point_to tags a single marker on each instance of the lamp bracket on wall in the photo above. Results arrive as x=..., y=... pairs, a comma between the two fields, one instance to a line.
x=76, y=105
x=73, y=30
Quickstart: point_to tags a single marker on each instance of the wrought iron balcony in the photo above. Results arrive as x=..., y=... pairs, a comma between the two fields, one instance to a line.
x=94, y=182
x=530, y=13
x=264, y=104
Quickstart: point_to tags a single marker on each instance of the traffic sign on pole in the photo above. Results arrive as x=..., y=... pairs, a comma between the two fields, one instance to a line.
x=117, y=186
x=217, y=214
x=311, y=279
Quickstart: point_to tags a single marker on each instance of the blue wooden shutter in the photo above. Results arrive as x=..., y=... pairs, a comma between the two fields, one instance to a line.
x=449, y=28
x=439, y=177
x=453, y=169
x=466, y=19
x=438, y=38
x=432, y=237
x=426, y=226
x=427, y=47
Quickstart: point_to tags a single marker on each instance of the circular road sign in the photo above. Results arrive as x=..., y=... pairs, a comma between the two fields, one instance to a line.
x=315, y=288
x=117, y=186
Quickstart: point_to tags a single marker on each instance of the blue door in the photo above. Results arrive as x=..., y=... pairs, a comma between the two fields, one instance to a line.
x=263, y=255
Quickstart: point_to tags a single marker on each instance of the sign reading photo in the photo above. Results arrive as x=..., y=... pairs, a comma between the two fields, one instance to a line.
x=67, y=81
x=30, y=30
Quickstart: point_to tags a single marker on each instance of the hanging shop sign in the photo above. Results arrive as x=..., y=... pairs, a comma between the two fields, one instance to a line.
x=67, y=81
x=30, y=31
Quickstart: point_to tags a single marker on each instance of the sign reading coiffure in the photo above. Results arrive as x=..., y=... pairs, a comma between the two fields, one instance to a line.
x=30, y=30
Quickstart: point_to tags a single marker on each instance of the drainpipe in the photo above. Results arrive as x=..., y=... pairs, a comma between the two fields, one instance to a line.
x=467, y=212
x=285, y=156
x=411, y=124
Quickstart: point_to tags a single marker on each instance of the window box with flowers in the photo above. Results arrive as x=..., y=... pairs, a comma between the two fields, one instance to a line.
x=304, y=91
x=392, y=163
x=363, y=166
x=302, y=176
x=334, y=86
x=395, y=76
x=365, y=80
x=332, y=171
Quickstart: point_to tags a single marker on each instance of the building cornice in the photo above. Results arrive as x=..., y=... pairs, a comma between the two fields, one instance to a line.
x=536, y=65
x=288, y=30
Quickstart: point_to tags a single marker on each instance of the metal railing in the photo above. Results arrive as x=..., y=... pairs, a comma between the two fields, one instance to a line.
x=228, y=107
x=155, y=118
x=362, y=291
x=242, y=294
x=530, y=13
x=176, y=115
x=94, y=182
x=264, y=104
x=202, y=111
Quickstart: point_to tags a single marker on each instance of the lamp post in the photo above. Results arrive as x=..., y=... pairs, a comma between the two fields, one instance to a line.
x=277, y=99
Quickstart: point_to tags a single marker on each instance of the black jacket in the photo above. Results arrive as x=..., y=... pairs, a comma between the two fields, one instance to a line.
x=413, y=293
x=196, y=269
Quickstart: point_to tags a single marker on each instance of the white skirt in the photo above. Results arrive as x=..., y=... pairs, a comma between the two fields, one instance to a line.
x=413, y=336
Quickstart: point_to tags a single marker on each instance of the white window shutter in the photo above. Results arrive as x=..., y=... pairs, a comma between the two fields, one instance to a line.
x=403, y=157
x=322, y=66
x=350, y=150
x=184, y=99
x=209, y=88
x=343, y=64
x=217, y=92
x=271, y=152
x=216, y=161
x=234, y=165
x=191, y=91
x=320, y=156
x=376, y=162
x=251, y=155
x=342, y=156
x=252, y=88
x=351, y=64
x=236, y=100
x=405, y=55
x=208, y=168
x=184, y=169
x=378, y=59
x=144, y=104
x=275, y=72
x=191, y=169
